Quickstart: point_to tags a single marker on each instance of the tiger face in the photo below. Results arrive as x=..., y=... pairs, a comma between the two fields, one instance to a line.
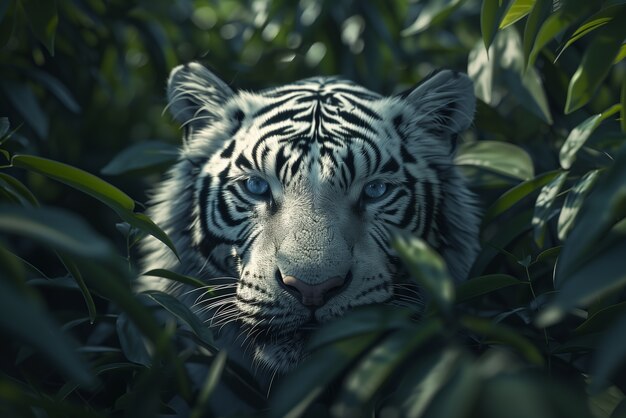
x=288, y=199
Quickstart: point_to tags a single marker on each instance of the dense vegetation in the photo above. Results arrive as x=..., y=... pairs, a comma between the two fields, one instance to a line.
x=538, y=330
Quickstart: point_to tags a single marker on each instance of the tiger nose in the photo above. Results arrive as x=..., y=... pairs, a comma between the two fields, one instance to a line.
x=313, y=294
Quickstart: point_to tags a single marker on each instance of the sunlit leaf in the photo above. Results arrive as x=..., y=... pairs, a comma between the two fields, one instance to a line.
x=428, y=269
x=517, y=11
x=43, y=19
x=579, y=135
x=556, y=23
x=573, y=202
x=544, y=204
x=376, y=367
x=602, y=209
x=596, y=62
x=78, y=179
x=29, y=323
x=539, y=13
x=500, y=157
x=596, y=21
x=502, y=72
x=516, y=194
x=144, y=155
x=87, y=183
x=433, y=13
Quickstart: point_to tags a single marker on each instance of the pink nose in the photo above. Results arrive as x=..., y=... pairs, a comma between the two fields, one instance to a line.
x=313, y=294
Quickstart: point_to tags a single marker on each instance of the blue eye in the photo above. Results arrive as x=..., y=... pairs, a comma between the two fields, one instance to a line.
x=375, y=189
x=256, y=185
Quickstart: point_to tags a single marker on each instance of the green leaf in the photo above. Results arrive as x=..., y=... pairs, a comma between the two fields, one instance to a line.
x=55, y=228
x=212, y=379
x=579, y=135
x=180, y=278
x=483, y=285
x=500, y=334
x=596, y=62
x=602, y=275
x=135, y=347
x=601, y=320
x=182, y=312
x=359, y=321
x=500, y=157
x=516, y=194
x=573, y=202
x=563, y=18
x=517, y=10
x=43, y=19
x=491, y=13
x=19, y=189
x=78, y=278
x=596, y=21
x=543, y=206
x=377, y=367
x=623, y=103
x=78, y=179
x=539, y=13
x=429, y=270
x=433, y=13
x=303, y=385
x=602, y=209
x=458, y=397
x=141, y=156
x=87, y=183
x=429, y=374
x=5, y=126
x=609, y=355
x=25, y=102
x=55, y=87
x=29, y=323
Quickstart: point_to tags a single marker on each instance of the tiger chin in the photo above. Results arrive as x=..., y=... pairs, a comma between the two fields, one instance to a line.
x=285, y=202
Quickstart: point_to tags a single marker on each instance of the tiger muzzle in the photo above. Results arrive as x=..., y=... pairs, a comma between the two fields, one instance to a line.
x=314, y=295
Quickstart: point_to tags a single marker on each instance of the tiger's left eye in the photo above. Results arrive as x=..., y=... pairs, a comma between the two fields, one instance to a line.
x=374, y=189
x=257, y=186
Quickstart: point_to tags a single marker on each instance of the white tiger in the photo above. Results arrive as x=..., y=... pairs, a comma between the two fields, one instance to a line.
x=288, y=199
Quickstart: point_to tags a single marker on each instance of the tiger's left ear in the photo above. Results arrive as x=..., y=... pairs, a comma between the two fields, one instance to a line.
x=444, y=103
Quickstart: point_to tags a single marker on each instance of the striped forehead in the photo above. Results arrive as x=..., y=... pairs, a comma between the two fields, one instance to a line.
x=310, y=126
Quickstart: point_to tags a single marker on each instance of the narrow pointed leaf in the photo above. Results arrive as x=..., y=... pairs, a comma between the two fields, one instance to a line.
x=573, y=202
x=596, y=62
x=517, y=11
x=544, y=204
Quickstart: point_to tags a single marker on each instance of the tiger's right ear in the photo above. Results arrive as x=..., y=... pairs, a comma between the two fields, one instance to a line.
x=196, y=95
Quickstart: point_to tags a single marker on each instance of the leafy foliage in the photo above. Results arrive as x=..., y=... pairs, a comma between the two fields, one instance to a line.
x=536, y=331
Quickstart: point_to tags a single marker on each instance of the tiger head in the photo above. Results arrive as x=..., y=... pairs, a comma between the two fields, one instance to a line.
x=289, y=199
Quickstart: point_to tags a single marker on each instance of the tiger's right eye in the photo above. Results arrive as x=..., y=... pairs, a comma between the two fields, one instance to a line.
x=257, y=186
